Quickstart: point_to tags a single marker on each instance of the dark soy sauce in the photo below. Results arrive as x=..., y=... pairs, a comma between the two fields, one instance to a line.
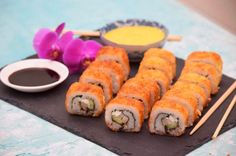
x=34, y=77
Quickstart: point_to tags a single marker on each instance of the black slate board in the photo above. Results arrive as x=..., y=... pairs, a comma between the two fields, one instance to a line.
x=49, y=105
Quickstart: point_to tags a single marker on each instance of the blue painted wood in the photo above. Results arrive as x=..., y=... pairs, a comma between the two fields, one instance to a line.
x=19, y=21
x=22, y=133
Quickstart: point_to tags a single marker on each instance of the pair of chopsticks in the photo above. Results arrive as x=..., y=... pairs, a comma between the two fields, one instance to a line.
x=214, y=107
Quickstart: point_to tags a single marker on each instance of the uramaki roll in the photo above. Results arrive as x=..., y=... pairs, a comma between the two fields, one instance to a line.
x=187, y=100
x=197, y=79
x=84, y=99
x=206, y=70
x=146, y=86
x=102, y=80
x=207, y=57
x=157, y=76
x=162, y=53
x=134, y=92
x=157, y=63
x=124, y=114
x=195, y=89
x=168, y=118
x=113, y=69
x=116, y=54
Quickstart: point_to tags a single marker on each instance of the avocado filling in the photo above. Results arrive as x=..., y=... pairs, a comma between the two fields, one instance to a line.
x=169, y=122
x=119, y=117
x=83, y=104
x=87, y=104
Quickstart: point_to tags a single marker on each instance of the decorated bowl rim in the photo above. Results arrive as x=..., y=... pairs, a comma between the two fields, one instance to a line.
x=132, y=22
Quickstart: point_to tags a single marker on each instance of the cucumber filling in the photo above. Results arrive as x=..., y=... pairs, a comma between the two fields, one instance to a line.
x=87, y=104
x=170, y=122
x=119, y=118
x=83, y=103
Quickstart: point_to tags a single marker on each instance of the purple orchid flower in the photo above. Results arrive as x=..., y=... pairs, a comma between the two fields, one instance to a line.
x=75, y=53
x=51, y=44
x=79, y=54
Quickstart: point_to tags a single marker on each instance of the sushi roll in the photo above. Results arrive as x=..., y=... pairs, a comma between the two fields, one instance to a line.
x=197, y=79
x=113, y=69
x=97, y=78
x=124, y=114
x=168, y=118
x=157, y=76
x=146, y=86
x=194, y=89
x=117, y=55
x=164, y=54
x=206, y=70
x=187, y=100
x=156, y=63
x=207, y=57
x=84, y=99
x=134, y=92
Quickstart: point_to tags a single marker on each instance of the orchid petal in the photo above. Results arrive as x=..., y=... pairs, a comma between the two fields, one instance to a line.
x=39, y=36
x=46, y=44
x=60, y=28
x=72, y=54
x=74, y=69
x=64, y=40
x=75, y=53
x=90, y=49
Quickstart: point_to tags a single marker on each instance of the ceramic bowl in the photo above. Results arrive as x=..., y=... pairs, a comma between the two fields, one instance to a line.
x=135, y=52
x=58, y=67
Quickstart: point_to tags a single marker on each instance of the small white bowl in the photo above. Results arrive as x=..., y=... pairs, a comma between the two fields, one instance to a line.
x=58, y=67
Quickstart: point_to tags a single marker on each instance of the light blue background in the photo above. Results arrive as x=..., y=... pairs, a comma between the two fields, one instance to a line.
x=19, y=20
x=24, y=134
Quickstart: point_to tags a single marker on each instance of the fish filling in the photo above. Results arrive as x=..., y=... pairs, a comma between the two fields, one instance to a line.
x=83, y=104
x=123, y=119
x=169, y=122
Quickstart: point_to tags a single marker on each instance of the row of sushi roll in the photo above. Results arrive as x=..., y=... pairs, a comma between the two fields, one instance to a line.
x=97, y=84
x=134, y=101
x=184, y=102
x=171, y=111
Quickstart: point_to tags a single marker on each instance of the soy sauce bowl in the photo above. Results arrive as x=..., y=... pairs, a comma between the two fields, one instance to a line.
x=55, y=66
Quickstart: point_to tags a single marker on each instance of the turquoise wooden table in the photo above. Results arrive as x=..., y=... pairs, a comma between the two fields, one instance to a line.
x=24, y=134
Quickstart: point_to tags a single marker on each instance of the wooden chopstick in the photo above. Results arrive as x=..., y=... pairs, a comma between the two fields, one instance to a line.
x=222, y=121
x=97, y=34
x=84, y=33
x=214, y=107
x=174, y=38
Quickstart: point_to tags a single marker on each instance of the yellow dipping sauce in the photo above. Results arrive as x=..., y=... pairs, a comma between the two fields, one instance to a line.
x=135, y=35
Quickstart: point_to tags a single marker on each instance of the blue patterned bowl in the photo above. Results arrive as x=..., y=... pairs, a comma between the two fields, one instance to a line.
x=135, y=52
